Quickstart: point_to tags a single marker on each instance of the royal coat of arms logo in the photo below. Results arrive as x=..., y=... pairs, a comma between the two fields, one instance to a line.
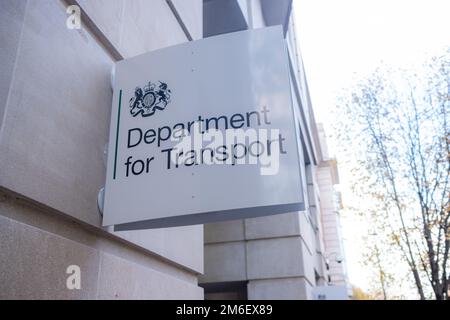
x=146, y=102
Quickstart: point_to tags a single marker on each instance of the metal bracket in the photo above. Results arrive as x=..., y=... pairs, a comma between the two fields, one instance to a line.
x=101, y=200
x=112, y=76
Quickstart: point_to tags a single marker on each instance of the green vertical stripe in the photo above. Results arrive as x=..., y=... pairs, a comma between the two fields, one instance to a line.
x=117, y=133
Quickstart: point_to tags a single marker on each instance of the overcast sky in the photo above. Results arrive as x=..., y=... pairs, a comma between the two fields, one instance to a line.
x=339, y=39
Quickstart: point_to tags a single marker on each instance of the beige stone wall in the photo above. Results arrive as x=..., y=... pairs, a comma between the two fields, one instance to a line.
x=273, y=254
x=55, y=100
x=327, y=177
x=331, y=226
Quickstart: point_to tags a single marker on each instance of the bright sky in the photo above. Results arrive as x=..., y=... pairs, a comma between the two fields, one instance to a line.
x=341, y=38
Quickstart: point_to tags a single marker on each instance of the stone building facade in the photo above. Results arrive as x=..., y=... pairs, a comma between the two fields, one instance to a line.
x=55, y=104
x=282, y=256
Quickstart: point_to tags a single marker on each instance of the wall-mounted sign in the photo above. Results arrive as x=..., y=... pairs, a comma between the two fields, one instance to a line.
x=201, y=132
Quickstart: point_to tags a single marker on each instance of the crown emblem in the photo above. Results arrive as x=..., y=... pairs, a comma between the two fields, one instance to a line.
x=146, y=102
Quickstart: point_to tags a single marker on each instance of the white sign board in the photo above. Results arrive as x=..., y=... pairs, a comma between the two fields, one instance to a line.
x=201, y=132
